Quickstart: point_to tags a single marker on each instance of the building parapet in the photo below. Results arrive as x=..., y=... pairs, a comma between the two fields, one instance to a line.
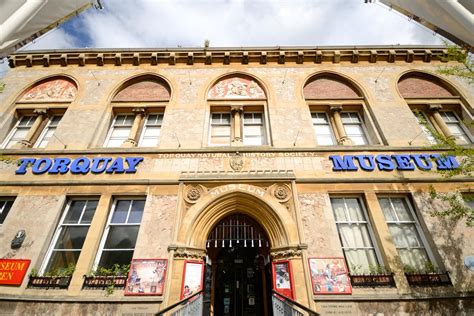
x=209, y=56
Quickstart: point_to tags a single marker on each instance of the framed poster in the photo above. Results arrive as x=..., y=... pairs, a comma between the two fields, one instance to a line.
x=282, y=278
x=329, y=276
x=146, y=277
x=193, y=276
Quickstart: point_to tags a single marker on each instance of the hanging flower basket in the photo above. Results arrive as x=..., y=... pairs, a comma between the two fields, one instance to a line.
x=49, y=282
x=428, y=279
x=372, y=280
x=104, y=281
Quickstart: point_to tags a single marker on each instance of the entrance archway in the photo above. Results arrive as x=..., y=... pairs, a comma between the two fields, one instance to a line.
x=238, y=251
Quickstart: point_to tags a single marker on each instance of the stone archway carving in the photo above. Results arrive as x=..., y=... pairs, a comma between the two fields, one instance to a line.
x=277, y=221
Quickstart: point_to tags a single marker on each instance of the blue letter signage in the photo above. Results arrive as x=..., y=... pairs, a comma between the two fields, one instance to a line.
x=392, y=162
x=81, y=165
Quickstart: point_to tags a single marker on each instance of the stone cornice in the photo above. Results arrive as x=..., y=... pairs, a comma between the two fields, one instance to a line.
x=219, y=56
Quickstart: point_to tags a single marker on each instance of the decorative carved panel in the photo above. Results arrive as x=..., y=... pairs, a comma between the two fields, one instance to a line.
x=236, y=87
x=55, y=90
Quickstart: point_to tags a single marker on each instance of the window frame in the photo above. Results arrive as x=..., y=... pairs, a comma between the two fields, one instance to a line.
x=46, y=129
x=459, y=123
x=112, y=127
x=231, y=124
x=105, y=233
x=368, y=223
x=15, y=128
x=145, y=126
x=416, y=222
x=262, y=126
x=5, y=199
x=329, y=124
x=60, y=226
x=361, y=123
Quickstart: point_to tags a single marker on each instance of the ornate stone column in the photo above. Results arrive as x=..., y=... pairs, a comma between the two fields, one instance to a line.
x=41, y=115
x=237, y=112
x=336, y=115
x=132, y=140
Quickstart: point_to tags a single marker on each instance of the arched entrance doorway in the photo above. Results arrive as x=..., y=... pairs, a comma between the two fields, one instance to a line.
x=238, y=251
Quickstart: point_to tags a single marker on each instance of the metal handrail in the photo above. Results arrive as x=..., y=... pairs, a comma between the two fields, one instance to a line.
x=182, y=302
x=293, y=302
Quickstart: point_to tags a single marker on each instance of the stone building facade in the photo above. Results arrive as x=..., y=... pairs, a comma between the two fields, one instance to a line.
x=286, y=168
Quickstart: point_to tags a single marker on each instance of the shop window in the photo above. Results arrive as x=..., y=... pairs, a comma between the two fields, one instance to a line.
x=406, y=232
x=355, y=234
x=338, y=112
x=120, y=235
x=5, y=206
x=70, y=235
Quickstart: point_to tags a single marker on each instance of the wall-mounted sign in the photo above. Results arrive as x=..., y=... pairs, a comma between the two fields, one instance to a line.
x=329, y=276
x=193, y=276
x=405, y=162
x=282, y=278
x=12, y=271
x=81, y=165
x=146, y=277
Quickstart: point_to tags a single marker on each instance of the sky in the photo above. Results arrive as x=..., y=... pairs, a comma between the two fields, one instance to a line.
x=234, y=23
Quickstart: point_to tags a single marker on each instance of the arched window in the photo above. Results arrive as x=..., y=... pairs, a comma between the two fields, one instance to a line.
x=437, y=107
x=337, y=111
x=237, y=112
x=39, y=111
x=138, y=108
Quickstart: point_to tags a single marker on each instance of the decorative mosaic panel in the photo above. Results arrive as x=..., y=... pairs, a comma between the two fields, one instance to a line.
x=56, y=90
x=236, y=88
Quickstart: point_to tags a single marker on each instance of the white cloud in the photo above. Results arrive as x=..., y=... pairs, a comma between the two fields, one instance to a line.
x=161, y=23
x=55, y=39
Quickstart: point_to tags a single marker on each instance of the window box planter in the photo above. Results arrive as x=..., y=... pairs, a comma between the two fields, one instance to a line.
x=48, y=282
x=372, y=280
x=428, y=279
x=104, y=281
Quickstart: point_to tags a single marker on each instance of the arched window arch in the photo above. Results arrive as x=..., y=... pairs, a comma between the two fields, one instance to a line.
x=237, y=112
x=138, y=107
x=39, y=110
x=436, y=105
x=338, y=111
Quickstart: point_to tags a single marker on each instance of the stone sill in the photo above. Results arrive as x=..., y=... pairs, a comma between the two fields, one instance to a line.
x=100, y=297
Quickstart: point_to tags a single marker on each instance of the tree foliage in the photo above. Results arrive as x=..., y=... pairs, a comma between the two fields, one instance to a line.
x=464, y=68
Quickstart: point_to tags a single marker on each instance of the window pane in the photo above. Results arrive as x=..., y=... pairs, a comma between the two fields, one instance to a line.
x=387, y=210
x=5, y=207
x=253, y=130
x=137, y=211
x=355, y=235
x=121, y=132
x=109, y=258
x=115, y=143
x=339, y=210
x=324, y=140
x=353, y=207
x=401, y=209
x=361, y=259
x=152, y=132
x=405, y=235
x=72, y=237
x=218, y=140
x=121, y=211
x=74, y=212
x=89, y=212
x=149, y=142
x=220, y=131
x=122, y=237
x=253, y=141
x=415, y=258
x=448, y=116
x=62, y=259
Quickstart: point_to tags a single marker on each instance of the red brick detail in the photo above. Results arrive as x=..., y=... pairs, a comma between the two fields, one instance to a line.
x=422, y=87
x=145, y=90
x=329, y=88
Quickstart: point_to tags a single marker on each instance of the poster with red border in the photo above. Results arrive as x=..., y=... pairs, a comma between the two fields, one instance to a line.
x=13, y=271
x=329, y=275
x=146, y=277
x=283, y=278
x=193, y=278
